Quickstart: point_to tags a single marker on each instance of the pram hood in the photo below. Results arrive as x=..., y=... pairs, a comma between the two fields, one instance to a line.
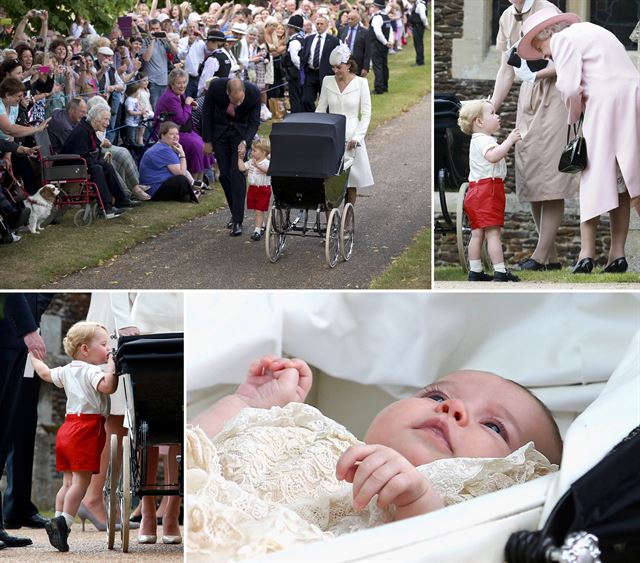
x=307, y=145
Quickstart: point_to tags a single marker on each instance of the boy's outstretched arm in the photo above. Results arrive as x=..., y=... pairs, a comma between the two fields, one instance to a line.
x=270, y=382
x=109, y=383
x=41, y=369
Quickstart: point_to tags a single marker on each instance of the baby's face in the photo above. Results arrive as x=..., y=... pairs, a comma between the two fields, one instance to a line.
x=465, y=414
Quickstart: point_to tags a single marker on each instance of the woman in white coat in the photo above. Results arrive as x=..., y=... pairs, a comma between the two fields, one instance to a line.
x=595, y=77
x=347, y=94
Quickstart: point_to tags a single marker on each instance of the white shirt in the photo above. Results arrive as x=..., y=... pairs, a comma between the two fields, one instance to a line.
x=294, y=52
x=192, y=55
x=318, y=37
x=479, y=166
x=421, y=10
x=80, y=383
x=255, y=176
x=211, y=66
x=376, y=24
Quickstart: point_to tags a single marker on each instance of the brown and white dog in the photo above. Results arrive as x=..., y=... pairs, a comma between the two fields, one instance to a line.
x=41, y=205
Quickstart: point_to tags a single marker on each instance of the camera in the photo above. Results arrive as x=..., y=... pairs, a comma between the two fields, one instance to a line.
x=159, y=34
x=37, y=13
x=121, y=42
x=76, y=58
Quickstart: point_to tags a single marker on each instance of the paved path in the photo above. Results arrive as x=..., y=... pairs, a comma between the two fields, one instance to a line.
x=89, y=545
x=201, y=254
x=520, y=286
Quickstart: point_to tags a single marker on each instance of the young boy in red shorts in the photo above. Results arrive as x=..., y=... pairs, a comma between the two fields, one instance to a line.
x=259, y=193
x=82, y=437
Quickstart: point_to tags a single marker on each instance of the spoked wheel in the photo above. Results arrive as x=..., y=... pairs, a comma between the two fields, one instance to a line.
x=275, y=234
x=463, y=233
x=84, y=216
x=332, y=238
x=110, y=491
x=347, y=229
x=125, y=493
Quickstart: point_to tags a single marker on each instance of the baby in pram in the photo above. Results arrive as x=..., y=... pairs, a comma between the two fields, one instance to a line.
x=290, y=462
x=82, y=436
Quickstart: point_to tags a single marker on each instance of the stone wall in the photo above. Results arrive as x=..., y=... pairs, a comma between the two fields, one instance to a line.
x=519, y=237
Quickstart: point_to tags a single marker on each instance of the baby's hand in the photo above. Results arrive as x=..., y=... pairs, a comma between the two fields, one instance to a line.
x=379, y=470
x=275, y=382
x=514, y=136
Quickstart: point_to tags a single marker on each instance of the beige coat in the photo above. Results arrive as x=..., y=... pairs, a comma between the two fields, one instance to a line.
x=542, y=119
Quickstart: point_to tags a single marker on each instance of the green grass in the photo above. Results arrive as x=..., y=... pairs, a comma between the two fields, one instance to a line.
x=455, y=273
x=412, y=269
x=38, y=260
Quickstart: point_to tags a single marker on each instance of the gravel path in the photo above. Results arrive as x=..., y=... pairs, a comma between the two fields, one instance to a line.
x=89, y=545
x=201, y=254
x=521, y=286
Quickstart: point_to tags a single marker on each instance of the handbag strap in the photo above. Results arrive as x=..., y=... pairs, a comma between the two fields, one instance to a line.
x=576, y=128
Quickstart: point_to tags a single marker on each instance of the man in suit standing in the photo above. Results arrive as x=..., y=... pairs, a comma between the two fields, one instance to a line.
x=358, y=41
x=380, y=32
x=230, y=118
x=18, y=336
x=314, y=61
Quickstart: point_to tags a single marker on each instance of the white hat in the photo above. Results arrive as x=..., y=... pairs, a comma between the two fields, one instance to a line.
x=339, y=55
x=162, y=17
x=535, y=23
x=194, y=17
x=239, y=28
x=105, y=51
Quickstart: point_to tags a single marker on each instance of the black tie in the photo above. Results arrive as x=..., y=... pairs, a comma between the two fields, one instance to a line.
x=316, y=53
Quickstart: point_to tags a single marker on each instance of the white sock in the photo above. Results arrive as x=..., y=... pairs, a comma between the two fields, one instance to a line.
x=257, y=230
x=58, y=513
x=68, y=518
x=499, y=268
x=475, y=265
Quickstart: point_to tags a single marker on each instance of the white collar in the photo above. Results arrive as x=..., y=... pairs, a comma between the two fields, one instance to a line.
x=528, y=4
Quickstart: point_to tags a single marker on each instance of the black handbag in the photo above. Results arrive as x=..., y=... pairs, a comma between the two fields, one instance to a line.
x=574, y=155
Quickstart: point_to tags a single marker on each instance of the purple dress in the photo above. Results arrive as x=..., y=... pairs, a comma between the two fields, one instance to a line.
x=192, y=143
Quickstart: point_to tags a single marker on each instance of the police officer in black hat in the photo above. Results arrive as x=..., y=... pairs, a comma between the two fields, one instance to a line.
x=419, y=22
x=381, y=33
x=217, y=63
x=291, y=62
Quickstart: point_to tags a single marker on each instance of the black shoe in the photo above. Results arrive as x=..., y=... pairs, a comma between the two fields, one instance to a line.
x=230, y=225
x=110, y=213
x=618, y=266
x=138, y=518
x=128, y=203
x=236, y=230
x=479, y=276
x=530, y=264
x=33, y=521
x=58, y=533
x=13, y=541
x=256, y=235
x=2, y=545
x=554, y=266
x=583, y=266
x=505, y=277
x=377, y=92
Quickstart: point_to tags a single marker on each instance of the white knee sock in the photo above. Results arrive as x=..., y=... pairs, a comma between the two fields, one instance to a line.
x=475, y=265
x=69, y=519
x=500, y=268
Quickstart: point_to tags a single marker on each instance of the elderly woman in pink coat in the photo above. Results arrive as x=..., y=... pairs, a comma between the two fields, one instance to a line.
x=595, y=77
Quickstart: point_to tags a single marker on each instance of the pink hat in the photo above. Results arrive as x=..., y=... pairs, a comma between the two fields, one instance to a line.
x=535, y=23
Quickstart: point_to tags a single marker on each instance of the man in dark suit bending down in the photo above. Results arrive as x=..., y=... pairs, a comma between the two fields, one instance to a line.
x=358, y=41
x=231, y=117
x=314, y=59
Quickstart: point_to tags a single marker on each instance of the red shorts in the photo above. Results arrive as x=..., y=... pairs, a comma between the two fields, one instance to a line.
x=258, y=197
x=484, y=203
x=79, y=443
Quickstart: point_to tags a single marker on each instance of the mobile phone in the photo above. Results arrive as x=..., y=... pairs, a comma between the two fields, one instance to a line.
x=159, y=34
x=44, y=69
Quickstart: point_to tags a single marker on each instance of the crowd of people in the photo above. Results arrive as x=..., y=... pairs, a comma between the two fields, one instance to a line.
x=147, y=84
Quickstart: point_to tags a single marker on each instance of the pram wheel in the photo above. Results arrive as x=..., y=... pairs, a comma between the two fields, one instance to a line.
x=125, y=493
x=84, y=216
x=275, y=234
x=332, y=238
x=110, y=491
x=463, y=233
x=347, y=228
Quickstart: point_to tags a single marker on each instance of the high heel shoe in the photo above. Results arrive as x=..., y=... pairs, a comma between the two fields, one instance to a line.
x=618, y=266
x=85, y=514
x=172, y=539
x=584, y=266
x=147, y=539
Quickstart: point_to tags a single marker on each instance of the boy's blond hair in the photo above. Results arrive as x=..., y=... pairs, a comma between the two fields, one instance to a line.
x=79, y=334
x=262, y=144
x=469, y=112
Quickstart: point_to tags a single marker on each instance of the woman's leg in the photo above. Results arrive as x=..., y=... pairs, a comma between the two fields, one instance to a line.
x=547, y=216
x=352, y=195
x=176, y=188
x=170, y=524
x=588, y=231
x=619, y=226
x=93, y=500
x=148, y=524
